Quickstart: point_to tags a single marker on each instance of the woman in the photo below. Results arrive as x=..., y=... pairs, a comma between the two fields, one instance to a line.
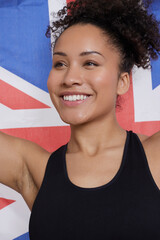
x=104, y=184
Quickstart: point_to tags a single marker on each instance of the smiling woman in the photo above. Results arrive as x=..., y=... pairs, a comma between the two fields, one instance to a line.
x=103, y=184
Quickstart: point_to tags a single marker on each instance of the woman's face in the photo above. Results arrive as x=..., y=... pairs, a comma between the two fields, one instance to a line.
x=84, y=80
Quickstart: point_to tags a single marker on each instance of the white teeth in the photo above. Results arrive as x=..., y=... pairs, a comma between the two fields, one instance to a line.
x=74, y=97
x=78, y=97
x=70, y=98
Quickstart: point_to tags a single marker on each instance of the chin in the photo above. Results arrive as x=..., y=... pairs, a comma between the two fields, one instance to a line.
x=74, y=121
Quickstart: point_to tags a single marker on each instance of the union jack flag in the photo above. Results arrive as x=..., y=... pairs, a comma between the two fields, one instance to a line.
x=25, y=107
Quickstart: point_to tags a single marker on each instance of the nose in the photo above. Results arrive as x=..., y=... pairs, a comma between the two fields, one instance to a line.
x=72, y=76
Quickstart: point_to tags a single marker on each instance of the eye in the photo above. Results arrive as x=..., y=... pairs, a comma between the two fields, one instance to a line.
x=59, y=65
x=90, y=63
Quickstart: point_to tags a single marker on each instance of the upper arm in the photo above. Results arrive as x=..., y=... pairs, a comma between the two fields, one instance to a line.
x=11, y=164
x=20, y=162
x=151, y=144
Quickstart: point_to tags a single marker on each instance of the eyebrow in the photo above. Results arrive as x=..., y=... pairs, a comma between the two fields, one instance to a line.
x=60, y=53
x=81, y=54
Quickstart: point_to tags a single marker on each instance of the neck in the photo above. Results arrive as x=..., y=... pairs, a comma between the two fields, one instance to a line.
x=93, y=137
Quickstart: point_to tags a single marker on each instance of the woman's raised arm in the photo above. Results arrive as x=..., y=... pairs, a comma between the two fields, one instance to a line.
x=22, y=165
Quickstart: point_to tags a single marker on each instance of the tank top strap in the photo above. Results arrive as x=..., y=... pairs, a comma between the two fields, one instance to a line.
x=55, y=164
x=58, y=155
x=135, y=155
x=136, y=164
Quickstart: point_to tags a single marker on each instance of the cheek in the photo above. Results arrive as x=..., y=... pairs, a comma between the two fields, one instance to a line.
x=105, y=82
x=53, y=85
x=106, y=89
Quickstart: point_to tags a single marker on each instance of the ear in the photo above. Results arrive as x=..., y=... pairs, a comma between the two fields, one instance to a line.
x=123, y=83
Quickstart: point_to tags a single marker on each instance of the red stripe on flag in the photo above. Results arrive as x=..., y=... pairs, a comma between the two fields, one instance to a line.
x=49, y=138
x=16, y=99
x=5, y=202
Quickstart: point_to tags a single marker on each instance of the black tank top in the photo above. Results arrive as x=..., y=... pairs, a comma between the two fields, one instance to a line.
x=127, y=208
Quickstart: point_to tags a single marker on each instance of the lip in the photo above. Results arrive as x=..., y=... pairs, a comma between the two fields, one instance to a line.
x=73, y=93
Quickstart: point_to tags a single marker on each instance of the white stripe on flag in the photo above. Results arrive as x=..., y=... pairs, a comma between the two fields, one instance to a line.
x=146, y=100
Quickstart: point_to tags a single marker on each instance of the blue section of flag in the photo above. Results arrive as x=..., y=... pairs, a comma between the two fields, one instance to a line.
x=23, y=237
x=155, y=8
x=24, y=48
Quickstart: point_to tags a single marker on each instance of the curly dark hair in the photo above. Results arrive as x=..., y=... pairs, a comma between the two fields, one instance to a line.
x=131, y=28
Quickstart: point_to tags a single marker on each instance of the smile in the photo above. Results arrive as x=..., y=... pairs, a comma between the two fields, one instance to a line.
x=73, y=98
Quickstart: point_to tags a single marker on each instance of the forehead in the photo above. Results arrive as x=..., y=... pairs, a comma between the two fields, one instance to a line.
x=79, y=38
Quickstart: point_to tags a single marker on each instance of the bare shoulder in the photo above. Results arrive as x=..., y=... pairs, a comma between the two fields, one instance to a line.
x=151, y=144
x=155, y=137
x=142, y=137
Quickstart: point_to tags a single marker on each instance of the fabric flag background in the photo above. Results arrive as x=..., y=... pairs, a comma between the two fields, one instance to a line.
x=25, y=107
